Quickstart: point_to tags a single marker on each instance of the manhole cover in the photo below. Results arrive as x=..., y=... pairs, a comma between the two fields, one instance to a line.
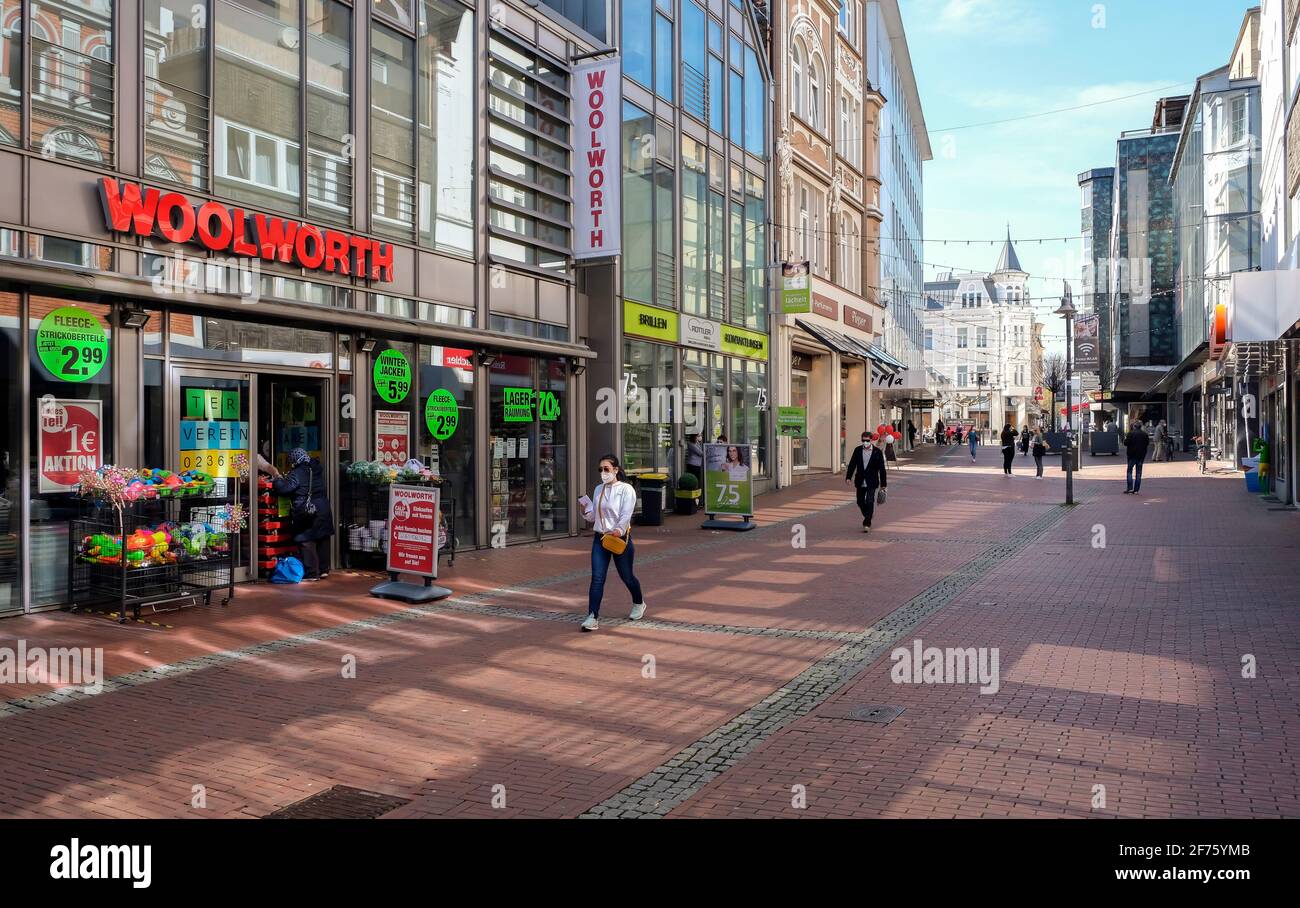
x=881, y=715
x=340, y=803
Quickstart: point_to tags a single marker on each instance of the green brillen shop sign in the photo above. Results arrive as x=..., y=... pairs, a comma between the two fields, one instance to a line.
x=71, y=344
x=392, y=376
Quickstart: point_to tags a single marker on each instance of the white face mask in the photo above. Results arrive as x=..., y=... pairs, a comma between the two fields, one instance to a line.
x=607, y=478
x=868, y=445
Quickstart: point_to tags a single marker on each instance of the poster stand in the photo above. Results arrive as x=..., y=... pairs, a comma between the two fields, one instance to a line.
x=412, y=545
x=717, y=524
x=728, y=486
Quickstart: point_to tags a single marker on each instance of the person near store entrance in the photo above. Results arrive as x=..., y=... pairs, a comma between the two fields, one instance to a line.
x=1008, y=439
x=911, y=435
x=939, y=433
x=867, y=473
x=313, y=521
x=610, y=511
x=695, y=458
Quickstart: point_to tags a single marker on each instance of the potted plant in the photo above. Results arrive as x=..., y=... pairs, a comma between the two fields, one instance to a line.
x=687, y=496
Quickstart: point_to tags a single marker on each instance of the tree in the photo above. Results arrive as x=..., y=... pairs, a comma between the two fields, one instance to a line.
x=1054, y=373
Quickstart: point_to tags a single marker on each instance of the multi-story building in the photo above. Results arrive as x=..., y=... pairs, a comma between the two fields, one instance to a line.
x=1097, y=197
x=1215, y=178
x=684, y=312
x=1141, y=331
x=904, y=147
x=978, y=334
x=352, y=225
x=828, y=125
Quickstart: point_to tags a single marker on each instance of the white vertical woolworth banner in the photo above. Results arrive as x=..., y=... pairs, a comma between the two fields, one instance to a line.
x=597, y=175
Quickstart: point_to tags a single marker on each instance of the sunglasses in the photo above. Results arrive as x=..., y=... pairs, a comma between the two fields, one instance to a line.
x=607, y=469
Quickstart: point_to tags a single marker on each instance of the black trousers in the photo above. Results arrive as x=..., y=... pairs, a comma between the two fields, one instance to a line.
x=1008, y=455
x=1038, y=463
x=867, y=503
x=315, y=556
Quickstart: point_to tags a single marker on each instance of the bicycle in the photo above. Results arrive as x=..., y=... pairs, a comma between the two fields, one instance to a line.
x=1205, y=452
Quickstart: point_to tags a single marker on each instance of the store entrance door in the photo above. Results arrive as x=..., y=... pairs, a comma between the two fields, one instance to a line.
x=211, y=431
x=223, y=420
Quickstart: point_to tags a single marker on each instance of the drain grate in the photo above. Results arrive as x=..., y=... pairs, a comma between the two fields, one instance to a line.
x=340, y=803
x=880, y=715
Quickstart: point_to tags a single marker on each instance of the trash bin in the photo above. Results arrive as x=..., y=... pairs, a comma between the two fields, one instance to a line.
x=653, y=488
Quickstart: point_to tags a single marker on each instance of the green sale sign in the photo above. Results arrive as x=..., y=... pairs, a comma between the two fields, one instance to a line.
x=71, y=344
x=441, y=414
x=392, y=376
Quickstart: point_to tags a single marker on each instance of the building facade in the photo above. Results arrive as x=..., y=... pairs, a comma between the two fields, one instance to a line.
x=352, y=224
x=1216, y=182
x=684, y=312
x=1141, y=332
x=828, y=115
x=979, y=337
x=904, y=147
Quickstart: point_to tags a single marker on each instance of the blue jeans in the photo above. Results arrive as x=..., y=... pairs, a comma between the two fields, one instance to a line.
x=1133, y=485
x=600, y=558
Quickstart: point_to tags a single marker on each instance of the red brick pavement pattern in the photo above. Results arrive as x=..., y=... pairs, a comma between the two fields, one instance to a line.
x=1118, y=666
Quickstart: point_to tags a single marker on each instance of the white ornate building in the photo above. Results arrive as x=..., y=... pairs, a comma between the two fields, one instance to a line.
x=979, y=340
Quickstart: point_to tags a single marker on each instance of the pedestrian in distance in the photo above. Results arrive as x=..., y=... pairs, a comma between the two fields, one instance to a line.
x=610, y=511
x=1008, y=439
x=695, y=458
x=1040, y=448
x=1024, y=441
x=958, y=436
x=941, y=433
x=1135, y=447
x=973, y=439
x=867, y=473
x=911, y=435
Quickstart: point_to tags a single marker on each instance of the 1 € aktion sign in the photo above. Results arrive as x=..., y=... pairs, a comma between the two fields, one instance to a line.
x=413, y=530
x=70, y=442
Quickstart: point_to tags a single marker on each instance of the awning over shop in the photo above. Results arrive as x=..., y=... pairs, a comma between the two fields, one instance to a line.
x=832, y=340
x=1264, y=306
x=1170, y=379
x=1133, y=380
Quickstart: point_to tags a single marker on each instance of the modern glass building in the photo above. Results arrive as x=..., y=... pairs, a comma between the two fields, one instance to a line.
x=327, y=213
x=1143, y=331
x=1096, y=200
x=685, y=311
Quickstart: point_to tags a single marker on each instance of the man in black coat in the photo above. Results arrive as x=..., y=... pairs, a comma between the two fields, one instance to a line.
x=1135, y=445
x=939, y=430
x=305, y=485
x=867, y=472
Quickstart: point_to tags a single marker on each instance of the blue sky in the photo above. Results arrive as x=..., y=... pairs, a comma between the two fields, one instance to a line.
x=983, y=60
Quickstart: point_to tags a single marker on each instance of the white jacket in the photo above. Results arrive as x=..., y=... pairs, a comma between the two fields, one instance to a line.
x=615, y=507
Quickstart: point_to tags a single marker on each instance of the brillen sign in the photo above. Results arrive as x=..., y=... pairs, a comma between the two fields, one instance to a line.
x=144, y=211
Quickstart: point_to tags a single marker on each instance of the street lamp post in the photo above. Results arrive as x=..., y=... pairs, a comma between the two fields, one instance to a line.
x=1067, y=312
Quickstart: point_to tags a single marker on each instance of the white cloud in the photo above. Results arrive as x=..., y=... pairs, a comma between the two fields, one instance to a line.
x=1003, y=21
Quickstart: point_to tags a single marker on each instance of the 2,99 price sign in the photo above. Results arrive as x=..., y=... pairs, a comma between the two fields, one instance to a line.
x=441, y=414
x=71, y=344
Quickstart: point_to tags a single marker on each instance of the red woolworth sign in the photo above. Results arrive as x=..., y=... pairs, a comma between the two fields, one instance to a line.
x=145, y=211
x=413, y=530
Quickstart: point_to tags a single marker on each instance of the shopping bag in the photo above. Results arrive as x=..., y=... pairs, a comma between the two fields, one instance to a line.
x=881, y=496
x=287, y=570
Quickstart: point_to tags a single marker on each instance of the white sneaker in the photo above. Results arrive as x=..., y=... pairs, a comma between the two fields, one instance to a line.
x=638, y=609
x=591, y=623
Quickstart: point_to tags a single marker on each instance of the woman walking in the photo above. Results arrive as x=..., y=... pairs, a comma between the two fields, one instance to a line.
x=695, y=458
x=1039, y=445
x=1024, y=441
x=1008, y=439
x=310, y=514
x=974, y=439
x=610, y=510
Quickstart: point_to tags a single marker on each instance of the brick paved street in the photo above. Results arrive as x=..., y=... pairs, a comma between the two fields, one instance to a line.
x=1119, y=666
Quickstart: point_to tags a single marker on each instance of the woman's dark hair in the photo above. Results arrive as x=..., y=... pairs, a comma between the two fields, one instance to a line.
x=618, y=468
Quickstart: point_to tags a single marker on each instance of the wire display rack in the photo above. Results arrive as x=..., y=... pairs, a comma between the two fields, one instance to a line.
x=147, y=555
x=364, y=542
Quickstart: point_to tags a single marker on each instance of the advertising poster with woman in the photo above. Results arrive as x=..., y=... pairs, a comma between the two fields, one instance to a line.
x=728, y=487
